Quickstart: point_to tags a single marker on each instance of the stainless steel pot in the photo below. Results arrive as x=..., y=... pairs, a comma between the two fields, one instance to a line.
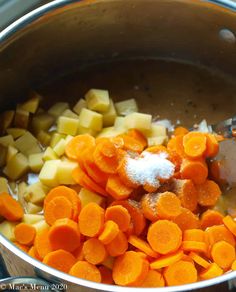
x=63, y=35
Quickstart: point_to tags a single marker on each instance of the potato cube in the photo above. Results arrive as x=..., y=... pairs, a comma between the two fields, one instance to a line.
x=83, y=130
x=42, y=122
x=67, y=126
x=126, y=107
x=32, y=218
x=109, y=132
x=156, y=131
x=44, y=138
x=33, y=208
x=69, y=114
x=7, y=229
x=41, y=226
x=90, y=119
x=68, y=139
x=36, y=192
x=36, y=162
x=6, y=140
x=12, y=186
x=32, y=104
x=16, y=167
x=64, y=172
x=11, y=151
x=79, y=105
x=58, y=108
x=56, y=137
x=110, y=115
x=138, y=121
x=59, y=148
x=49, y=154
x=6, y=120
x=21, y=118
x=97, y=100
x=153, y=141
x=48, y=173
x=15, y=132
x=3, y=155
x=27, y=144
x=21, y=191
x=87, y=197
x=3, y=185
x=120, y=124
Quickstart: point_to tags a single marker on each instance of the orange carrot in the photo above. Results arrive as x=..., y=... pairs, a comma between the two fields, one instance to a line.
x=60, y=259
x=219, y=233
x=187, y=220
x=91, y=220
x=157, y=149
x=121, y=170
x=168, y=205
x=64, y=234
x=187, y=193
x=129, y=269
x=118, y=245
x=223, y=254
x=78, y=253
x=233, y=267
x=175, y=144
x=230, y=223
x=57, y=208
x=33, y=253
x=108, y=149
x=194, y=235
x=164, y=236
x=142, y=245
x=87, y=271
x=104, y=163
x=106, y=275
x=148, y=205
x=180, y=273
x=211, y=218
x=110, y=231
x=94, y=251
x=196, y=246
x=180, y=131
x=208, y=193
x=195, y=147
x=211, y=272
x=117, y=189
x=42, y=243
x=137, y=135
x=212, y=145
x=77, y=145
x=167, y=260
x=119, y=215
x=132, y=144
x=10, y=208
x=23, y=247
x=196, y=170
x=153, y=279
x=25, y=233
x=199, y=260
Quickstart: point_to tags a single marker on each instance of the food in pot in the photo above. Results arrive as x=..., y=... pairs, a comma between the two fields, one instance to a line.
x=103, y=192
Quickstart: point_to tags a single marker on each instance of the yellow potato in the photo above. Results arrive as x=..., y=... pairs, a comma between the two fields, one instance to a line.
x=109, y=132
x=48, y=173
x=83, y=130
x=90, y=119
x=153, y=141
x=31, y=105
x=69, y=114
x=3, y=185
x=79, y=106
x=16, y=167
x=97, y=100
x=36, y=162
x=156, y=131
x=11, y=152
x=7, y=229
x=49, y=154
x=7, y=140
x=64, y=172
x=15, y=132
x=6, y=120
x=67, y=126
x=36, y=192
x=119, y=124
x=110, y=115
x=21, y=118
x=44, y=138
x=58, y=108
x=27, y=144
x=126, y=107
x=41, y=226
x=87, y=197
x=59, y=148
x=138, y=121
x=3, y=155
x=32, y=218
x=21, y=191
x=56, y=137
x=42, y=122
x=33, y=208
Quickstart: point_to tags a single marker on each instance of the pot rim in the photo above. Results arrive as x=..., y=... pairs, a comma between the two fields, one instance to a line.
x=5, y=34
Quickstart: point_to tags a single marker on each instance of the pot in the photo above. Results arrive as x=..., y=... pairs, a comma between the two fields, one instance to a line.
x=64, y=35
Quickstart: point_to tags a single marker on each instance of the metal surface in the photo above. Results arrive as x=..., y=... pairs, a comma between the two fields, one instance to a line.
x=65, y=35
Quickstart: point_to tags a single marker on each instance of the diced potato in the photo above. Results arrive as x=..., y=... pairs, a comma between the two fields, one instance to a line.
x=126, y=107
x=97, y=100
x=138, y=121
x=64, y=172
x=49, y=154
x=79, y=105
x=36, y=192
x=3, y=185
x=42, y=122
x=56, y=137
x=119, y=124
x=3, y=155
x=21, y=191
x=27, y=144
x=58, y=108
x=7, y=229
x=59, y=148
x=21, y=118
x=6, y=120
x=68, y=139
x=33, y=208
x=156, y=131
x=87, y=197
x=83, y=130
x=69, y=114
x=36, y=162
x=90, y=119
x=32, y=104
x=16, y=167
x=67, y=126
x=6, y=140
x=41, y=226
x=48, y=173
x=153, y=141
x=110, y=115
x=32, y=218
x=15, y=132
x=44, y=138
x=109, y=132
x=12, y=186
x=11, y=151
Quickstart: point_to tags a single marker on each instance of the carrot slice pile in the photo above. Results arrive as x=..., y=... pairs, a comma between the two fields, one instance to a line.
x=223, y=254
x=94, y=251
x=10, y=208
x=153, y=279
x=87, y=271
x=211, y=218
x=25, y=233
x=208, y=193
x=110, y=231
x=119, y=215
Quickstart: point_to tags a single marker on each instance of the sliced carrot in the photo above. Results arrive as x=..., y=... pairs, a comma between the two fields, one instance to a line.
x=230, y=223
x=108, y=149
x=223, y=254
x=199, y=260
x=42, y=243
x=180, y=273
x=142, y=245
x=130, y=269
x=168, y=205
x=10, y=208
x=196, y=246
x=104, y=163
x=148, y=205
x=208, y=193
x=157, y=149
x=211, y=272
x=94, y=251
x=176, y=144
x=137, y=135
x=87, y=271
x=119, y=215
x=219, y=233
x=25, y=233
x=121, y=170
x=74, y=149
x=195, y=147
x=91, y=220
x=110, y=231
x=187, y=193
x=187, y=220
x=132, y=144
x=211, y=218
x=117, y=189
x=153, y=279
x=60, y=259
x=33, y=253
x=212, y=145
x=164, y=236
x=21, y=246
x=196, y=170
x=167, y=260
x=64, y=234
x=194, y=235
x=118, y=245
x=78, y=253
x=180, y=131
x=233, y=267
x=106, y=275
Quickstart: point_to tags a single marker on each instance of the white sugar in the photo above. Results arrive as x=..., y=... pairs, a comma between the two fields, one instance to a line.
x=149, y=168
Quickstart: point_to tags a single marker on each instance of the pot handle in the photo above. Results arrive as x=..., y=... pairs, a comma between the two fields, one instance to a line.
x=8, y=283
